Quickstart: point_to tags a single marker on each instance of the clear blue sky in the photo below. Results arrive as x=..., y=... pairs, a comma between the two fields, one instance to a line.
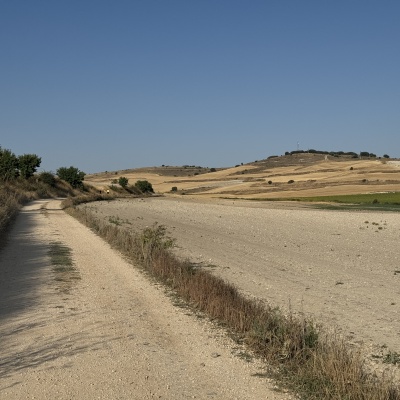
x=110, y=85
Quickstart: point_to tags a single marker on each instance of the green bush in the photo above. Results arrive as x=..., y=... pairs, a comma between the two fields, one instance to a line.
x=174, y=189
x=71, y=175
x=144, y=186
x=47, y=178
x=123, y=182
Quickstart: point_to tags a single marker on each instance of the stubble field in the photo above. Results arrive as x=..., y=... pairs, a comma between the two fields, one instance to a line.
x=342, y=268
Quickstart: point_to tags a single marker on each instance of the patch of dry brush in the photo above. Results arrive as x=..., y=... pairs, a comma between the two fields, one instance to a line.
x=314, y=364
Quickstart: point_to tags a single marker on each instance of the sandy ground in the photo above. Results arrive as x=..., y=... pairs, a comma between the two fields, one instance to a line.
x=340, y=267
x=112, y=334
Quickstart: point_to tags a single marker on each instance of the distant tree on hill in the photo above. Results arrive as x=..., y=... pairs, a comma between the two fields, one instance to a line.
x=71, y=175
x=144, y=186
x=385, y=156
x=123, y=182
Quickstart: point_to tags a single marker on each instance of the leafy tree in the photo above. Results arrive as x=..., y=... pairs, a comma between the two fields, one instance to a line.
x=71, y=175
x=144, y=186
x=385, y=156
x=8, y=165
x=27, y=164
x=123, y=181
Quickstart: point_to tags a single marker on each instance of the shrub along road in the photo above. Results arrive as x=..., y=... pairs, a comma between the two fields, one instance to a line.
x=79, y=322
x=340, y=267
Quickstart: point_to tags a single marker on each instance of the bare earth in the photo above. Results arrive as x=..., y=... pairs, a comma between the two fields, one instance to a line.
x=340, y=267
x=112, y=334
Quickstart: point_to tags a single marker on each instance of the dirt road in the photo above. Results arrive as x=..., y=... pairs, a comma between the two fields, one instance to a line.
x=343, y=268
x=106, y=332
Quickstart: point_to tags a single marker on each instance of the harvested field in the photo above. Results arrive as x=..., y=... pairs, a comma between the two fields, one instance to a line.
x=340, y=267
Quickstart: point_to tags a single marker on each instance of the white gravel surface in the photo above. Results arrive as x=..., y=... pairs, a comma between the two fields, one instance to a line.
x=341, y=267
x=112, y=334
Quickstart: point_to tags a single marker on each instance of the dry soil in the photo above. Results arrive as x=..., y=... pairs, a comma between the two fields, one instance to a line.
x=342, y=268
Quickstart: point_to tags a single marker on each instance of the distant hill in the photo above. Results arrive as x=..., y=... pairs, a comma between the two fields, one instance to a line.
x=296, y=173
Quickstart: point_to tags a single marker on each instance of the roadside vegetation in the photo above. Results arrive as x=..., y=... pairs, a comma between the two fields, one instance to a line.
x=17, y=192
x=20, y=183
x=298, y=353
x=17, y=184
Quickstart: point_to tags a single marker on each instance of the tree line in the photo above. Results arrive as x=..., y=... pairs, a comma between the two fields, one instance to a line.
x=336, y=153
x=14, y=167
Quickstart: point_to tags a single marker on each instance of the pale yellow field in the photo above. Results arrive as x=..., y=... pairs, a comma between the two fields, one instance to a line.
x=313, y=175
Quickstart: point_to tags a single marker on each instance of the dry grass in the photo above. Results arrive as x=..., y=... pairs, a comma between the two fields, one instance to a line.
x=14, y=194
x=12, y=197
x=300, y=354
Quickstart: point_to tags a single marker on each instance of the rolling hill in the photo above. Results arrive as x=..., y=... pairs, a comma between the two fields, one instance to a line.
x=292, y=175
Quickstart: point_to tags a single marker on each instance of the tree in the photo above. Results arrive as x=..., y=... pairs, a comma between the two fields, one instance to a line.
x=123, y=181
x=71, y=175
x=8, y=165
x=385, y=156
x=144, y=186
x=27, y=164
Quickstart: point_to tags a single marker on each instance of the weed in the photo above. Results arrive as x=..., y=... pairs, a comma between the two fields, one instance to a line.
x=392, y=357
x=244, y=355
x=114, y=220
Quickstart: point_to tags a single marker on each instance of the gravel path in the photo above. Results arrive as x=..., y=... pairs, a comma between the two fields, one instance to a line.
x=341, y=267
x=111, y=334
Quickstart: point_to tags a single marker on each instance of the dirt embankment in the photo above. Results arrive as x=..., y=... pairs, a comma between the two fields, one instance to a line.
x=100, y=330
